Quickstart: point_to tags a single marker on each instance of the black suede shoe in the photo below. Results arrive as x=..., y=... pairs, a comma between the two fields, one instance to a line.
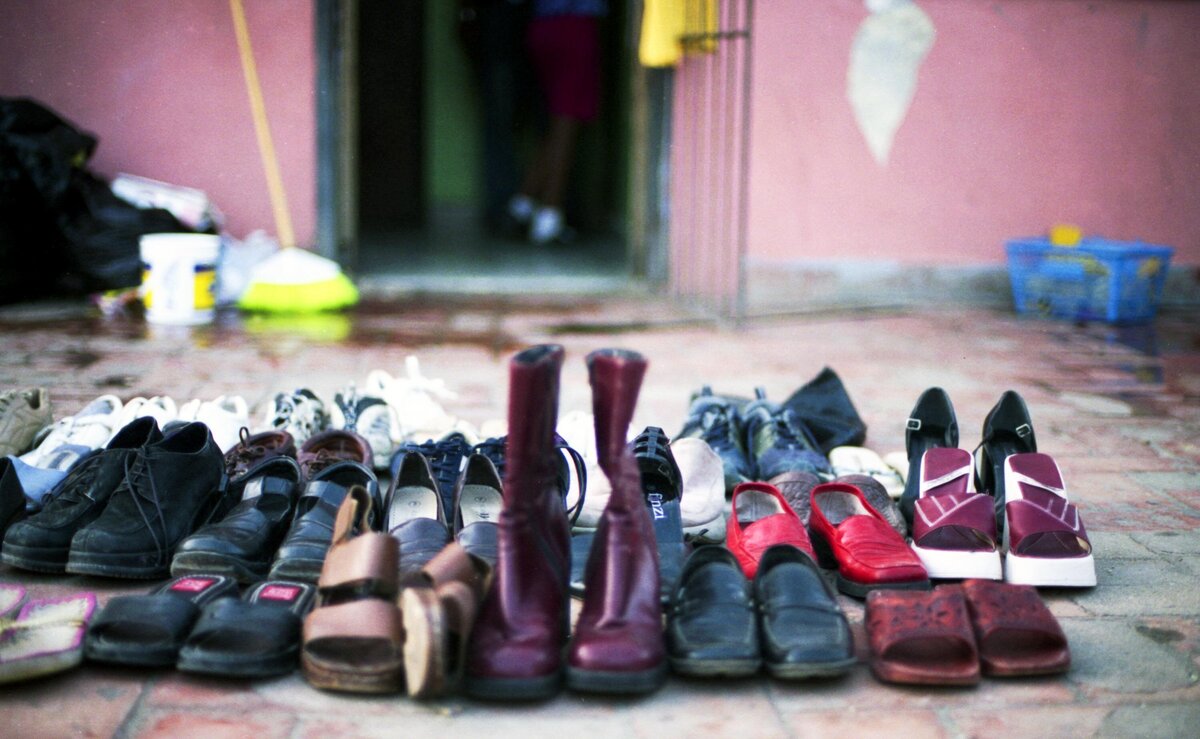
x=779, y=442
x=242, y=543
x=42, y=542
x=170, y=489
x=803, y=632
x=662, y=486
x=303, y=551
x=12, y=495
x=716, y=421
x=712, y=630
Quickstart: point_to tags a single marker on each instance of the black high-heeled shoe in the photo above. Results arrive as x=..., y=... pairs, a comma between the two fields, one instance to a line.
x=931, y=424
x=1007, y=430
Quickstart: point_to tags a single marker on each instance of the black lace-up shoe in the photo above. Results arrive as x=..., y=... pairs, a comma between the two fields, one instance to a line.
x=242, y=543
x=716, y=421
x=779, y=442
x=42, y=542
x=170, y=489
x=496, y=450
x=303, y=551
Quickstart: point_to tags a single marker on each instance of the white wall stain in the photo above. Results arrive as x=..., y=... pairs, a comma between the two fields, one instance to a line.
x=881, y=80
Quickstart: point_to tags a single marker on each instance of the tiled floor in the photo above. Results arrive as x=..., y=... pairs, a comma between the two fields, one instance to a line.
x=1119, y=410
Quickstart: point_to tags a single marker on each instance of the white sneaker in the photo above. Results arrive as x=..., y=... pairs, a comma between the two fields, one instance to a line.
x=702, y=503
x=547, y=225
x=160, y=407
x=72, y=437
x=225, y=417
x=370, y=417
x=417, y=402
x=300, y=413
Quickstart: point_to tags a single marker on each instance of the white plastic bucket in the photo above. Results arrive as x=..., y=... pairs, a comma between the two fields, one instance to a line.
x=178, y=275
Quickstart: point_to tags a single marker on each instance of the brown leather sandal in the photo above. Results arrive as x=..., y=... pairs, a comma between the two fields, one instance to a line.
x=922, y=638
x=438, y=613
x=354, y=640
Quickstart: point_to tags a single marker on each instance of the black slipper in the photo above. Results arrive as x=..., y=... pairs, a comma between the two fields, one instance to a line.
x=148, y=630
x=258, y=636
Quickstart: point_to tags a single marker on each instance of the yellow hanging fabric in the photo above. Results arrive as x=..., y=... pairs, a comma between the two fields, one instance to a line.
x=700, y=26
x=662, y=25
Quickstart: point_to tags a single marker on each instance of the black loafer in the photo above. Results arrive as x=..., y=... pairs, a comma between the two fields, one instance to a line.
x=712, y=629
x=414, y=515
x=804, y=633
x=303, y=551
x=242, y=543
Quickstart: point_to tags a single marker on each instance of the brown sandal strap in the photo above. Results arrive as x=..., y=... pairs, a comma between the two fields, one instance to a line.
x=355, y=508
x=895, y=617
x=451, y=564
x=361, y=619
x=998, y=607
x=368, y=557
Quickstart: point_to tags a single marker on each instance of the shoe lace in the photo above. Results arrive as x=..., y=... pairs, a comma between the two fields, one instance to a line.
x=716, y=428
x=140, y=484
x=791, y=432
x=322, y=460
x=245, y=452
x=70, y=490
x=445, y=457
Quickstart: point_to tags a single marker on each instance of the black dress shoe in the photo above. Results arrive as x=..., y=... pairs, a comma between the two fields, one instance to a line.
x=170, y=488
x=662, y=487
x=303, y=551
x=242, y=543
x=1007, y=430
x=478, y=498
x=712, y=630
x=931, y=424
x=804, y=633
x=414, y=515
x=42, y=542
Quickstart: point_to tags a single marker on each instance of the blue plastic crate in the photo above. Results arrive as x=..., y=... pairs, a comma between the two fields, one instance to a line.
x=1097, y=280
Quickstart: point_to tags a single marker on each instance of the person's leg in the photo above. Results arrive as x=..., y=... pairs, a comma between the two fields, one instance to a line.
x=557, y=155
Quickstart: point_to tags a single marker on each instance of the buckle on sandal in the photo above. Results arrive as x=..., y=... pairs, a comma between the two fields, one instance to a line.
x=1024, y=430
x=914, y=424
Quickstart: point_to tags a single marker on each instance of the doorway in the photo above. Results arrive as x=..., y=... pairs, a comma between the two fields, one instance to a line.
x=412, y=194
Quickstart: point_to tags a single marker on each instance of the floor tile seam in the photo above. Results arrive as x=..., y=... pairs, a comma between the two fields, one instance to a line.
x=765, y=688
x=133, y=716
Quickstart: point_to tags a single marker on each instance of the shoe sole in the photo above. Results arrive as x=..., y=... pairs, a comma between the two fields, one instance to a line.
x=213, y=563
x=715, y=668
x=510, y=689
x=948, y=564
x=197, y=662
x=130, y=656
x=381, y=678
x=35, y=559
x=860, y=590
x=1046, y=572
x=424, y=642
x=304, y=570
x=808, y=670
x=617, y=683
x=121, y=564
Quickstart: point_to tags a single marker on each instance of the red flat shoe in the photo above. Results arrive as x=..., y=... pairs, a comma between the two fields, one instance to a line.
x=761, y=519
x=853, y=537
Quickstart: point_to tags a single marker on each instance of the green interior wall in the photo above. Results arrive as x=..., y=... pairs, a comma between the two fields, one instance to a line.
x=452, y=121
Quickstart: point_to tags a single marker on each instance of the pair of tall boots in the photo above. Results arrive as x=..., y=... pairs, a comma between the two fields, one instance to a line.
x=516, y=646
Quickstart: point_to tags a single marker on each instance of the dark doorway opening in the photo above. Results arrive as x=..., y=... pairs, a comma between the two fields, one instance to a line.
x=420, y=160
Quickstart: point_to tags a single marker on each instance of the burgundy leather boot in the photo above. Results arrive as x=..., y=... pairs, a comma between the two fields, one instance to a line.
x=516, y=644
x=618, y=645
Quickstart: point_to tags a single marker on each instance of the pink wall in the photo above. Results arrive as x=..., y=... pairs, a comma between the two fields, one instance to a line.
x=160, y=83
x=1025, y=114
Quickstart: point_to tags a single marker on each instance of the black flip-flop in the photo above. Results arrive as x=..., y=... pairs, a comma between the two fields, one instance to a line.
x=258, y=636
x=148, y=630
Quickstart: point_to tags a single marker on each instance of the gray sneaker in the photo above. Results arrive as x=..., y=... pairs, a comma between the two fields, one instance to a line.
x=23, y=413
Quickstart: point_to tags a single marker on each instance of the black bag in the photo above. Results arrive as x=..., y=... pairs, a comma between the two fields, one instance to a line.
x=825, y=407
x=61, y=228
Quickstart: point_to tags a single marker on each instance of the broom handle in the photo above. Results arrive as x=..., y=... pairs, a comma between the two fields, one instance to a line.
x=266, y=148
